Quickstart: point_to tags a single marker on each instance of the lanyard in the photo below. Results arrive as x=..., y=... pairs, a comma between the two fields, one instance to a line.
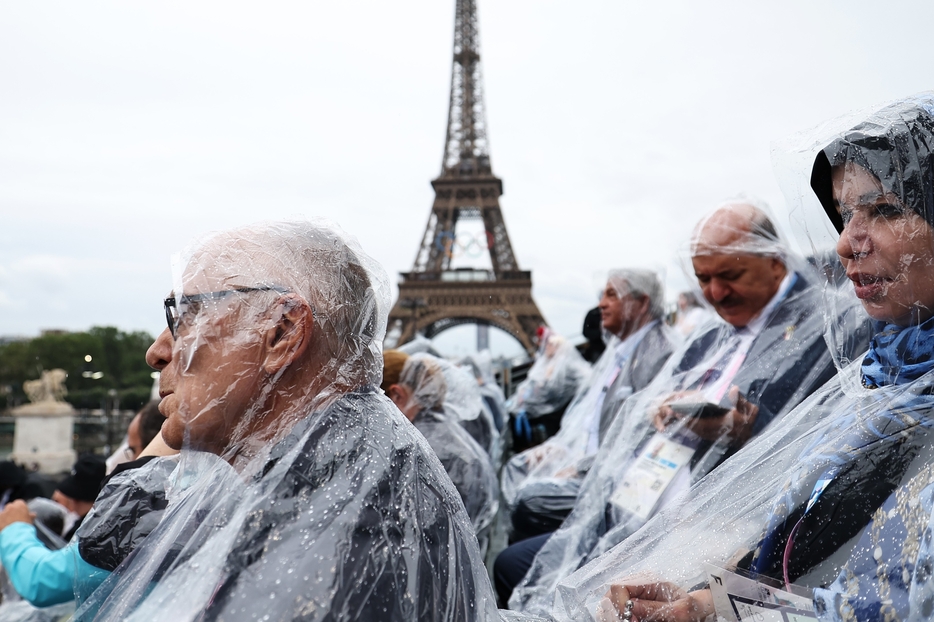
x=816, y=493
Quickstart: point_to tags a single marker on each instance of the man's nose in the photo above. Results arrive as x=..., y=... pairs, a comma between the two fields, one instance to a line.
x=159, y=353
x=718, y=290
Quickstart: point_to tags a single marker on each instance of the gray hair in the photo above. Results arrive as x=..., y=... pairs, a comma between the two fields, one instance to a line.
x=347, y=290
x=640, y=283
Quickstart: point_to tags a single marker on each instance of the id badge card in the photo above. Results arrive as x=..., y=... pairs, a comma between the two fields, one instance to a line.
x=652, y=472
x=738, y=598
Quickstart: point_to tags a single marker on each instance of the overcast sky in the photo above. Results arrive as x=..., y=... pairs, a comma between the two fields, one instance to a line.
x=126, y=129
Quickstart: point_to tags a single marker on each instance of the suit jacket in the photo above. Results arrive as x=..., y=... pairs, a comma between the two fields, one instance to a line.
x=649, y=357
x=786, y=362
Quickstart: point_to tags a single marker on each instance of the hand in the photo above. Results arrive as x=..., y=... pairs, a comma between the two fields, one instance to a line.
x=15, y=512
x=654, y=601
x=568, y=472
x=663, y=416
x=538, y=454
x=736, y=423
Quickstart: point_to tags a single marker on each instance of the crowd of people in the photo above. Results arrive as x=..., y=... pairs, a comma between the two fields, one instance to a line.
x=767, y=457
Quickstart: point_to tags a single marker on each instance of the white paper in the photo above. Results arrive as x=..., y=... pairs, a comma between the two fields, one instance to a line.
x=741, y=599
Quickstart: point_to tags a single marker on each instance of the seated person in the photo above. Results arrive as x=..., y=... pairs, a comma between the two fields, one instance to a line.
x=761, y=355
x=145, y=426
x=300, y=492
x=17, y=483
x=142, y=429
x=42, y=576
x=541, y=484
x=592, y=331
x=691, y=313
x=419, y=390
x=481, y=365
x=837, y=498
x=465, y=405
x=540, y=400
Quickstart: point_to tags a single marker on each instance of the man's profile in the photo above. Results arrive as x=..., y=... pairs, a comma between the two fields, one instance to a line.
x=301, y=492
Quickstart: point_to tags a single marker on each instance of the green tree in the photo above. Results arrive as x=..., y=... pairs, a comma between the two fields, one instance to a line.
x=118, y=359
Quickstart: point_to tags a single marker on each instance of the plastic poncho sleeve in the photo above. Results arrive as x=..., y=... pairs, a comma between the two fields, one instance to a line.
x=42, y=576
x=128, y=508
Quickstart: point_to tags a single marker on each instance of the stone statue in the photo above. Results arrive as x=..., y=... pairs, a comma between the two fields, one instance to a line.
x=50, y=387
x=42, y=439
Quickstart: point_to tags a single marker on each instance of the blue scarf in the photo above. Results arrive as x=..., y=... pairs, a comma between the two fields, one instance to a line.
x=880, y=427
x=898, y=355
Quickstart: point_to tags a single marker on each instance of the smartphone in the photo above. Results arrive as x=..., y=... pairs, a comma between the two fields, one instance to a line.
x=699, y=410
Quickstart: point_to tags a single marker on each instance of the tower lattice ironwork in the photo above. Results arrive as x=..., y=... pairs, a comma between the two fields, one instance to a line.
x=434, y=296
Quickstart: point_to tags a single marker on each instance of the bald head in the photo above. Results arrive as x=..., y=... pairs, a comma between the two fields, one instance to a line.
x=737, y=260
x=736, y=228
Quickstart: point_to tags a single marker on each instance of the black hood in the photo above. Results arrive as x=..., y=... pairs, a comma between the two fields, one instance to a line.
x=896, y=144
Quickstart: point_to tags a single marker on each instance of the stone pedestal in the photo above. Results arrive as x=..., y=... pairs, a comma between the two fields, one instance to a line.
x=43, y=436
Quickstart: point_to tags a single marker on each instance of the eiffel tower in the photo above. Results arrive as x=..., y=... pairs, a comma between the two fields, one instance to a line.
x=434, y=297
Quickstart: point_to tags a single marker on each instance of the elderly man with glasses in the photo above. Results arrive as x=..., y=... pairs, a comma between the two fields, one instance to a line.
x=300, y=491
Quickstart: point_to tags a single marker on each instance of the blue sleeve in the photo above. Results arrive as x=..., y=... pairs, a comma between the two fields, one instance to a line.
x=41, y=576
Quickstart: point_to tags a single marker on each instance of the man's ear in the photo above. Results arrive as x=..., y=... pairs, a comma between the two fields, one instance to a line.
x=401, y=396
x=644, y=305
x=779, y=268
x=290, y=333
x=396, y=393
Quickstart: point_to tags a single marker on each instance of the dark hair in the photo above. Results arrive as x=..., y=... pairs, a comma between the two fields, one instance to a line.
x=896, y=145
x=763, y=227
x=150, y=422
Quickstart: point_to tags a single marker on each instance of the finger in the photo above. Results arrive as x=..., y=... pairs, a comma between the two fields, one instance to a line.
x=664, y=417
x=740, y=403
x=654, y=590
x=606, y=612
x=734, y=395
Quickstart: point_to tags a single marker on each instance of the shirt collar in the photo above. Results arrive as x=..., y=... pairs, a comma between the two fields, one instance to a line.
x=756, y=324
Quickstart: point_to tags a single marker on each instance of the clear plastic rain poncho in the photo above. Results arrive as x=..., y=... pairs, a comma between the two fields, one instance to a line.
x=545, y=479
x=719, y=389
x=481, y=366
x=464, y=402
x=465, y=461
x=833, y=503
x=300, y=492
x=552, y=381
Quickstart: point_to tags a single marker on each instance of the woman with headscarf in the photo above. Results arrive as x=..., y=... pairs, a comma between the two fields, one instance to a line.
x=837, y=498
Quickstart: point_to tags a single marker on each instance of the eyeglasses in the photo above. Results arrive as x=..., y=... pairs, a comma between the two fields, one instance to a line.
x=174, y=309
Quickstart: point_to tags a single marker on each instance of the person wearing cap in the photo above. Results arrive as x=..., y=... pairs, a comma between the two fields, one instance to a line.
x=79, y=489
x=42, y=576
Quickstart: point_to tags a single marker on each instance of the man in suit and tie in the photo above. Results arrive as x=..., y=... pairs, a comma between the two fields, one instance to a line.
x=761, y=356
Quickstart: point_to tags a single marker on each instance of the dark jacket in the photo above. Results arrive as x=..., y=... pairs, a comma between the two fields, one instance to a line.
x=352, y=518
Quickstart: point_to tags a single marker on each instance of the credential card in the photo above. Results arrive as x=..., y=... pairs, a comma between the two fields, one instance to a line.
x=650, y=474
